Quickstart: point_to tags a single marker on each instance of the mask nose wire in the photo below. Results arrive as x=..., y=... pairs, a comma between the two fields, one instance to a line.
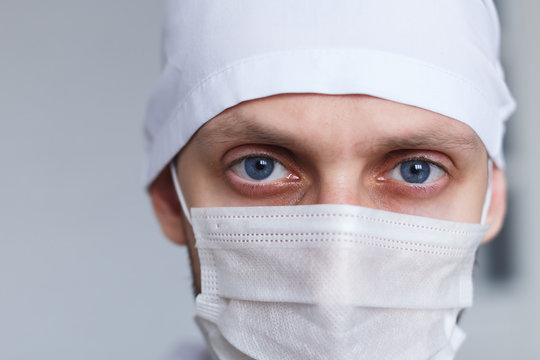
x=179, y=192
x=487, y=199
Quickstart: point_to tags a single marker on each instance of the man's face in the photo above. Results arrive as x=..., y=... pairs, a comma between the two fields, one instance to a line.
x=300, y=149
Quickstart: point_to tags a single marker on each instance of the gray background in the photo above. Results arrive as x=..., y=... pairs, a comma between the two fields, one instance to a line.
x=84, y=270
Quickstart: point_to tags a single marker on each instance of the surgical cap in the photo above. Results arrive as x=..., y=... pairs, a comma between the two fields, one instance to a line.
x=440, y=55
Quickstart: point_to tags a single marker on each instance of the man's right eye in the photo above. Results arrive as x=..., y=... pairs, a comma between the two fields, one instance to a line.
x=260, y=168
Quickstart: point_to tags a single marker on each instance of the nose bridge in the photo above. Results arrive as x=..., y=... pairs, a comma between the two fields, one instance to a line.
x=332, y=194
x=342, y=185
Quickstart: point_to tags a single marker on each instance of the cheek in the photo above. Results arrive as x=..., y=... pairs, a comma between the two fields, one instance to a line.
x=205, y=191
x=205, y=188
x=197, y=183
x=460, y=203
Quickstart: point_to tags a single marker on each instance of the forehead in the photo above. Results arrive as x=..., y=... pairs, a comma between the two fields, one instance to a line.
x=335, y=122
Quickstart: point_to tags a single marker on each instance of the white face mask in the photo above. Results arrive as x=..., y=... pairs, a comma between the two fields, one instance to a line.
x=331, y=282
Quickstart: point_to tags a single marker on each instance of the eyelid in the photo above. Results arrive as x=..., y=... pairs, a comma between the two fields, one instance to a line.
x=434, y=174
x=240, y=153
x=396, y=158
x=237, y=155
x=430, y=161
x=278, y=171
x=432, y=157
x=255, y=154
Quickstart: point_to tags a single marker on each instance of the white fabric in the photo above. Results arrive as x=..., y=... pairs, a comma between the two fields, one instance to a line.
x=438, y=55
x=332, y=282
x=272, y=294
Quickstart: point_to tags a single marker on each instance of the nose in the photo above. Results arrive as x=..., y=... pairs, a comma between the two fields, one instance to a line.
x=342, y=188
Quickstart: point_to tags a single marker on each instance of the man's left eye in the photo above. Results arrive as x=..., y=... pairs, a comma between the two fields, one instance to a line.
x=416, y=172
x=259, y=168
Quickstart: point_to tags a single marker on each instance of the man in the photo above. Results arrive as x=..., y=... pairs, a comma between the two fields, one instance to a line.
x=332, y=168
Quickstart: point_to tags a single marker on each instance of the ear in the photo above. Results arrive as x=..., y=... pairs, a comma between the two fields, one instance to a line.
x=167, y=207
x=497, y=208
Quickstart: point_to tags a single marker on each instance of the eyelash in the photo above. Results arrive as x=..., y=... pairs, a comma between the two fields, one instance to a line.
x=418, y=158
x=261, y=188
x=402, y=188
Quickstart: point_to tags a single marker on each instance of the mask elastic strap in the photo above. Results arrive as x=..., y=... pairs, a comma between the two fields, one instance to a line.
x=179, y=192
x=487, y=199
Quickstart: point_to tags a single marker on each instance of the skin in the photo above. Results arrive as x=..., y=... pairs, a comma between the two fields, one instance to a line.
x=331, y=149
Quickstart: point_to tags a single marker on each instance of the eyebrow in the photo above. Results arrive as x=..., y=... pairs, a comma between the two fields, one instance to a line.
x=431, y=139
x=231, y=127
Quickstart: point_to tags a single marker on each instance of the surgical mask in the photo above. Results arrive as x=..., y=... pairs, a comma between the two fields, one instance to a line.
x=331, y=282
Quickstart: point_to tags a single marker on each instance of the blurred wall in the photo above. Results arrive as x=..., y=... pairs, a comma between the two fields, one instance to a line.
x=505, y=320
x=84, y=270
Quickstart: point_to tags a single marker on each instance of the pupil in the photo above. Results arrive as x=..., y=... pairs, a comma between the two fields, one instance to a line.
x=415, y=171
x=259, y=168
x=261, y=164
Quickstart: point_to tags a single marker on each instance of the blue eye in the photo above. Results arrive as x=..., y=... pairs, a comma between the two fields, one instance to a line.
x=416, y=172
x=260, y=168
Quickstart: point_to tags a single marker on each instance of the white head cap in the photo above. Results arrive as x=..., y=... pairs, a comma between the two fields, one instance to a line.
x=438, y=55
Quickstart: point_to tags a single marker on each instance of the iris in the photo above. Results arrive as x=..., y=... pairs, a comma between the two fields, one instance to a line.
x=415, y=171
x=259, y=168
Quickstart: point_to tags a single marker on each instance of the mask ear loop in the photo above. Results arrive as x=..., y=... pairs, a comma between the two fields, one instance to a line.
x=487, y=199
x=179, y=192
